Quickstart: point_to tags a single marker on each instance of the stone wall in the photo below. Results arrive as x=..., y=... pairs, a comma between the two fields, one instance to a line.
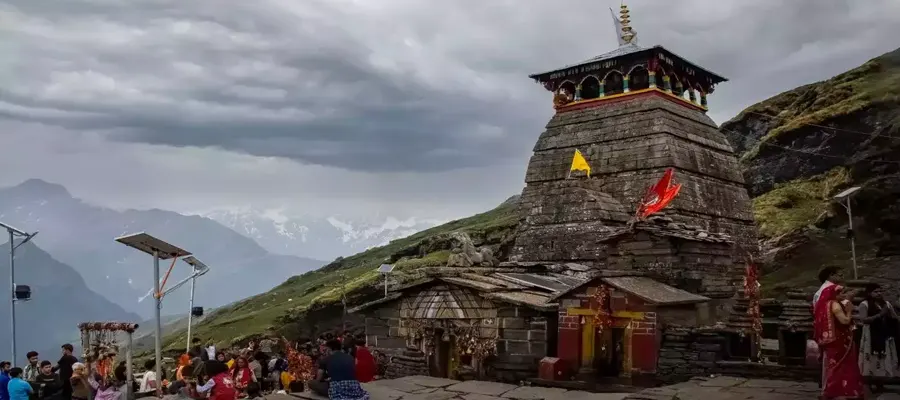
x=628, y=145
x=689, y=352
x=705, y=268
x=522, y=343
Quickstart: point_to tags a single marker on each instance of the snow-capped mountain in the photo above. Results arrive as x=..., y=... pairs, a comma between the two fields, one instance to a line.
x=81, y=235
x=322, y=238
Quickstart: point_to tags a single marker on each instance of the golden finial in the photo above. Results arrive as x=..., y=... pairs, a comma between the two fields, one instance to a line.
x=628, y=34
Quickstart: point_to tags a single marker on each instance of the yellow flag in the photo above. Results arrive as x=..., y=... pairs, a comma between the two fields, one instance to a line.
x=580, y=164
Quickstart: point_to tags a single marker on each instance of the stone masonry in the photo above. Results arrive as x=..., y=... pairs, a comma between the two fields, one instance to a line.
x=628, y=145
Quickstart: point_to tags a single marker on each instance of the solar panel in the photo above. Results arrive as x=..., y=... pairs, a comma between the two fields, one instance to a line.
x=385, y=268
x=198, y=265
x=148, y=244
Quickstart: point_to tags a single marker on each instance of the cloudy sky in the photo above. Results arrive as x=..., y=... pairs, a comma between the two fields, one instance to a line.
x=405, y=107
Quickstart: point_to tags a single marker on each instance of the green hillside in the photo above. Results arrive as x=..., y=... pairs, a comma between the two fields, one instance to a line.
x=800, y=148
x=321, y=289
x=809, y=151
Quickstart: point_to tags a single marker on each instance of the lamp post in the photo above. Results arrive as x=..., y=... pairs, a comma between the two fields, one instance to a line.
x=199, y=270
x=386, y=269
x=13, y=234
x=160, y=250
x=843, y=199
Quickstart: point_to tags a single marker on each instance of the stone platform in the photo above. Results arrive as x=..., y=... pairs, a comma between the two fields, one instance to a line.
x=718, y=388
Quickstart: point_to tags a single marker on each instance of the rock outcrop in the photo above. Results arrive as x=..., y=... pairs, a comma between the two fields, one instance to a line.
x=800, y=148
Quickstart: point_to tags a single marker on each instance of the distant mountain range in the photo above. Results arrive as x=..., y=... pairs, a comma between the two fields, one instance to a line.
x=82, y=235
x=320, y=238
x=60, y=301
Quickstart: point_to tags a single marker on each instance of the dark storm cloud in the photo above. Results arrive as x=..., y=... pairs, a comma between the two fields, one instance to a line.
x=394, y=85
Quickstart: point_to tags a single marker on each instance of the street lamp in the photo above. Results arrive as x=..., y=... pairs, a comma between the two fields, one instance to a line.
x=844, y=199
x=15, y=293
x=199, y=270
x=160, y=250
x=386, y=269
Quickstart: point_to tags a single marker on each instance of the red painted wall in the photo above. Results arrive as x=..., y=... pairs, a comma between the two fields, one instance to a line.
x=569, y=342
x=644, y=341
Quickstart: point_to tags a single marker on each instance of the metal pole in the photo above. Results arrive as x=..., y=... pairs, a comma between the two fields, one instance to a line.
x=852, y=239
x=129, y=371
x=191, y=313
x=158, y=329
x=385, y=285
x=12, y=294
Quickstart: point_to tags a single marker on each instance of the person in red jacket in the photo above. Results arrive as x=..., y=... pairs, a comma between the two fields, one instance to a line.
x=220, y=385
x=365, y=362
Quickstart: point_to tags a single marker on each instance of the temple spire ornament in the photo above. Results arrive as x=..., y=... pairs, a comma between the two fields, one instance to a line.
x=627, y=34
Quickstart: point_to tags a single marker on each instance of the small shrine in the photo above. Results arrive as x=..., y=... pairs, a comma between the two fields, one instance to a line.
x=454, y=322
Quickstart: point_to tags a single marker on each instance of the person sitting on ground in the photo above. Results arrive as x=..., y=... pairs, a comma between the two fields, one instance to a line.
x=48, y=383
x=220, y=385
x=254, y=392
x=242, y=375
x=81, y=388
x=336, y=377
x=17, y=387
x=365, y=362
x=107, y=388
x=149, y=382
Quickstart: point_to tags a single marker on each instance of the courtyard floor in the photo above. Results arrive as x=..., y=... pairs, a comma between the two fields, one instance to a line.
x=716, y=388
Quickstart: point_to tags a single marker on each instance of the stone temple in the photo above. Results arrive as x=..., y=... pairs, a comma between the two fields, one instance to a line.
x=632, y=112
x=590, y=291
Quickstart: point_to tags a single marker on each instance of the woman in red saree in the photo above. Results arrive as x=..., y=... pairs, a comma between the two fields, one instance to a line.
x=834, y=334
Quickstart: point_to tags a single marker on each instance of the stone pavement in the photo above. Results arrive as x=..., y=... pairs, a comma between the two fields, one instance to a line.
x=731, y=388
x=701, y=388
x=429, y=388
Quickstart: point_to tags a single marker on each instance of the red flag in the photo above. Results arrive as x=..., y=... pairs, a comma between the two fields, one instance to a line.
x=659, y=195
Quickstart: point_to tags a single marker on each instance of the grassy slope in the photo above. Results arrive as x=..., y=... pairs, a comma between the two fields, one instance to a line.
x=792, y=207
x=788, y=208
x=256, y=314
x=875, y=83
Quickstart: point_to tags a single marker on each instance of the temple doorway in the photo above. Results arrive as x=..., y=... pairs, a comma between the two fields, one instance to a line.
x=443, y=361
x=609, y=355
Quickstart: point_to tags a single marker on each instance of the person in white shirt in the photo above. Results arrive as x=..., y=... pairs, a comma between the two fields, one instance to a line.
x=149, y=381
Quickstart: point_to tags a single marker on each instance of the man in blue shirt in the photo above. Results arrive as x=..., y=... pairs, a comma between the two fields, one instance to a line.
x=18, y=388
x=4, y=379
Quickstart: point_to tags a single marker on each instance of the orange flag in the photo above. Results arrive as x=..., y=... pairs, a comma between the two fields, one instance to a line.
x=659, y=195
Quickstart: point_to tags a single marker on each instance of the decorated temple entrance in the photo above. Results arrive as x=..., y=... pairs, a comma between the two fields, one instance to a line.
x=495, y=325
x=609, y=354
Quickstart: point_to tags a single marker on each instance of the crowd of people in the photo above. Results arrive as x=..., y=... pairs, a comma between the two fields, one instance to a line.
x=857, y=344
x=331, y=366
x=68, y=379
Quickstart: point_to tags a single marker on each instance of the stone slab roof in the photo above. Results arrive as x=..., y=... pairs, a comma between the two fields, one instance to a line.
x=654, y=292
x=510, y=285
x=665, y=226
